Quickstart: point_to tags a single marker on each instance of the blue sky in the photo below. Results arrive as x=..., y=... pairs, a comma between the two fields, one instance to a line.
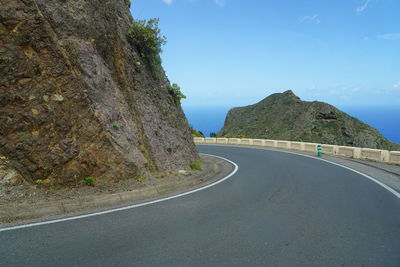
x=236, y=52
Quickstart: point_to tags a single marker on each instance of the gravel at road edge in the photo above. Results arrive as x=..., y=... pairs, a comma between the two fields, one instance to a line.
x=77, y=201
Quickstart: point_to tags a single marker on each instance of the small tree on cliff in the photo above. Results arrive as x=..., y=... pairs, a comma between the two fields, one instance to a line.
x=175, y=91
x=147, y=38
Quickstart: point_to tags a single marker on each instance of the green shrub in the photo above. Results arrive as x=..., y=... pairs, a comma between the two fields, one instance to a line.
x=90, y=181
x=159, y=176
x=241, y=136
x=140, y=178
x=175, y=91
x=39, y=182
x=6, y=59
x=145, y=35
x=195, y=165
x=212, y=134
x=115, y=126
x=195, y=133
x=170, y=99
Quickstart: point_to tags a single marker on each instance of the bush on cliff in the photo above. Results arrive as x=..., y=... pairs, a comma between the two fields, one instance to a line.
x=175, y=91
x=147, y=38
x=195, y=133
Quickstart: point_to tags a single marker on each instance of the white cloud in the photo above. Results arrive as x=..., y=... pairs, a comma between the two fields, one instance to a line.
x=389, y=36
x=314, y=19
x=396, y=86
x=355, y=89
x=168, y=2
x=363, y=7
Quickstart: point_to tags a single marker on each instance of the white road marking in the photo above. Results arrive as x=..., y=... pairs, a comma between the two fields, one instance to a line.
x=131, y=206
x=394, y=192
x=391, y=190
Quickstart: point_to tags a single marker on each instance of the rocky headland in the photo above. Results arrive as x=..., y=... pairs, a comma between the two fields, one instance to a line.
x=284, y=116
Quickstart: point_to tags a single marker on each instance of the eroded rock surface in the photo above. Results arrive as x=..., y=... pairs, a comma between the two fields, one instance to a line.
x=8, y=175
x=77, y=100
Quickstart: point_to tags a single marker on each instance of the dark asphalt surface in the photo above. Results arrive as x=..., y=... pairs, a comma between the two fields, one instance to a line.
x=279, y=209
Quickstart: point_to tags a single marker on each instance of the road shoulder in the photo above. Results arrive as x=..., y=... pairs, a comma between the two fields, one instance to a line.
x=90, y=200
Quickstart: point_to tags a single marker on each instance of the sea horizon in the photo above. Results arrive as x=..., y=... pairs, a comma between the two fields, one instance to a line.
x=210, y=119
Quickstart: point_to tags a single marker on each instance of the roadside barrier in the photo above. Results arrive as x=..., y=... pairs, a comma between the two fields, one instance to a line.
x=319, y=149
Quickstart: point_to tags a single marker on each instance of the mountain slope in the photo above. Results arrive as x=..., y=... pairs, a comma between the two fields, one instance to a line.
x=285, y=116
x=77, y=99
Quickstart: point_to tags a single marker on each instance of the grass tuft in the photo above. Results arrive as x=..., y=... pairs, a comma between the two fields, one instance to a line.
x=90, y=181
x=195, y=165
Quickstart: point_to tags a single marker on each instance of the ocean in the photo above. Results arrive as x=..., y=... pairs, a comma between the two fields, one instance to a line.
x=385, y=120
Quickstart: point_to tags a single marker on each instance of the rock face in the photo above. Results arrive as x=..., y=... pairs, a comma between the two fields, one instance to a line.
x=285, y=116
x=76, y=98
x=8, y=175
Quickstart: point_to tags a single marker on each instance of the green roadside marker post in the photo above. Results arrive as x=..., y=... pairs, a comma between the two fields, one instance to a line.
x=319, y=150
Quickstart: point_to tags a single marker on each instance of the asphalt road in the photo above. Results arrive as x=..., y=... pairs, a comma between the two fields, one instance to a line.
x=279, y=209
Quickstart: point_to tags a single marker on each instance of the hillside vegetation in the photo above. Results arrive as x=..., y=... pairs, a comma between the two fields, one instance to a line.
x=285, y=116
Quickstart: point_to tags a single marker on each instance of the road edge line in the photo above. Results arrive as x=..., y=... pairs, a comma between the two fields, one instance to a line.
x=236, y=168
x=388, y=188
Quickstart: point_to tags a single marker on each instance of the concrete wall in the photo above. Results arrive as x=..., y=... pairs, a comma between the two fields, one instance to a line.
x=329, y=149
x=343, y=151
x=245, y=141
x=310, y=147
x=394, y=157
x=222, y=141
x=282, y=144
x=258, y=142
x=375, y=154
x=270, y=143
x=297, y=146
x=233, y=141
x=210, y=140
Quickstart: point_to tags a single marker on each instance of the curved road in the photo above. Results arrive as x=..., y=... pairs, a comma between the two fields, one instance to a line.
x=279, y=209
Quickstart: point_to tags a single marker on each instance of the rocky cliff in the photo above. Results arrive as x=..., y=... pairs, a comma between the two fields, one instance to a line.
x=77, y=99
x=285, y=116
